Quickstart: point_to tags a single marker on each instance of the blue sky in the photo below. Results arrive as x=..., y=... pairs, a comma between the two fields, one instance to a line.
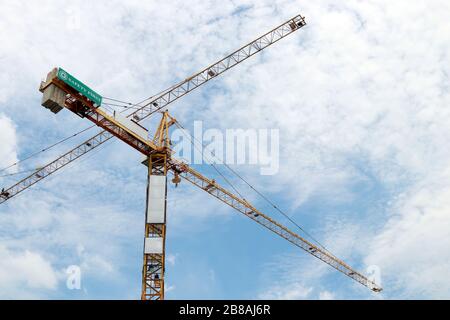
x=360, y=98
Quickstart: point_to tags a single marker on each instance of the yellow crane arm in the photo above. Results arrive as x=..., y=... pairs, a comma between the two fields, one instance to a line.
x=243, y=206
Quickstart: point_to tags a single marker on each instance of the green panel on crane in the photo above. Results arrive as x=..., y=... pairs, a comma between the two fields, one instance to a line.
x=79, y=86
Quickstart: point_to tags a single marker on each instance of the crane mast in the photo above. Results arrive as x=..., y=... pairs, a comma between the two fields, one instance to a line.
x=153, y=268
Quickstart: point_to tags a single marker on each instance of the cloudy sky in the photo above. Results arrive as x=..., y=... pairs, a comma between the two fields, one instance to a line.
x=360, y=97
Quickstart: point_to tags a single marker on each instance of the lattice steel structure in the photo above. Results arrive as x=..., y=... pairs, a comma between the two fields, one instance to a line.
x=154, y=262
x=160, y=162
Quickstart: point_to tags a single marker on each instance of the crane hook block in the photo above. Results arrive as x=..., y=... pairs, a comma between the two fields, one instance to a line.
x=176, y=179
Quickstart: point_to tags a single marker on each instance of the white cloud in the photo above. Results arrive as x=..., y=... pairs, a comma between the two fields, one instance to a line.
x=326, y=295
x=190, y=209
x=8, y=143
x=412, y=250
x=292, y=276
x=90, y=234
x=171, y=259
x=292, y=292
x=169, y=288
x=23, y=274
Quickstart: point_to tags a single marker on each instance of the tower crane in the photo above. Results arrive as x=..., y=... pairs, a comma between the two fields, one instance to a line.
x=61, y=90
